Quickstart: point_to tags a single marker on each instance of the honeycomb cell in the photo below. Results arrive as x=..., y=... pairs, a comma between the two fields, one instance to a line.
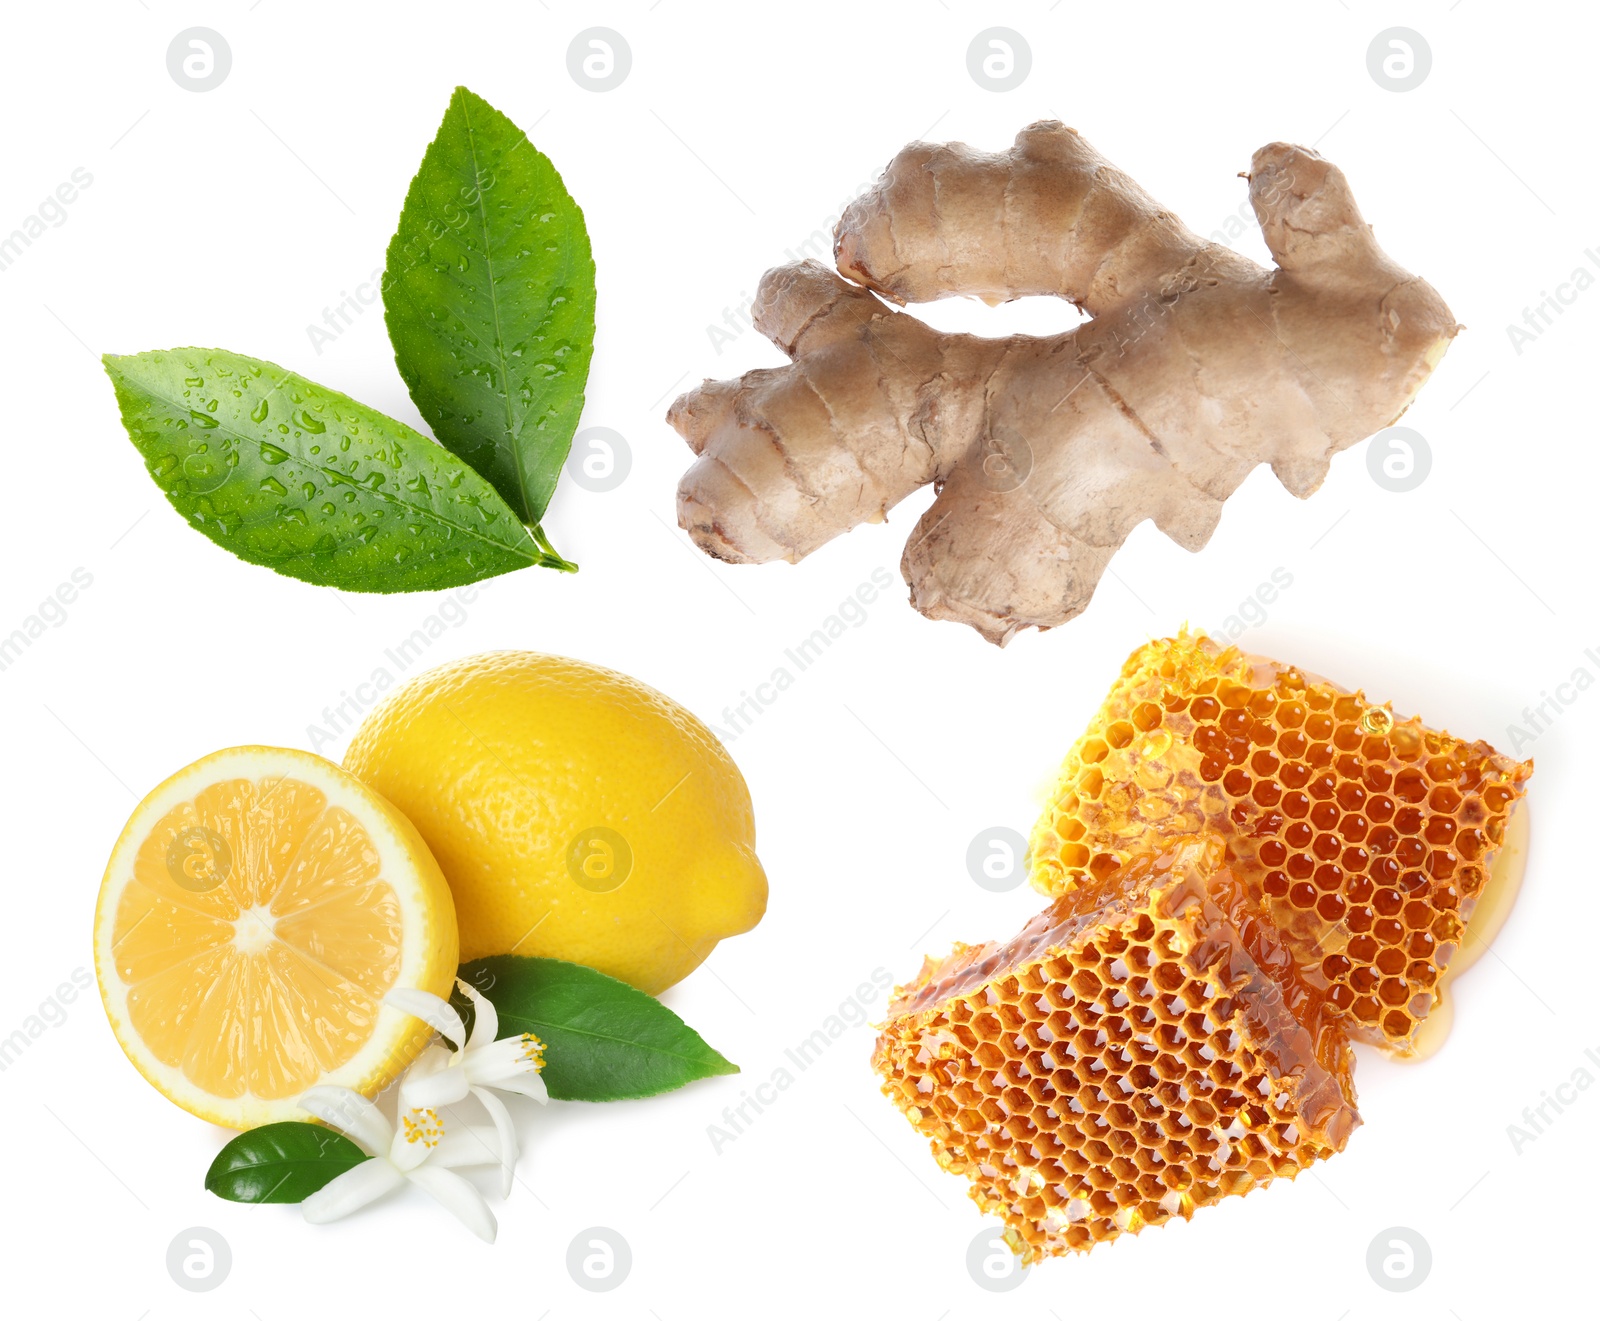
x=1239, y=1073
x=1342, y=820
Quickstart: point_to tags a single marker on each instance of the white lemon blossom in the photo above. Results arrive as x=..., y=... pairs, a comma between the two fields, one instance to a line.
x=479, y=1065
x=419, y=1151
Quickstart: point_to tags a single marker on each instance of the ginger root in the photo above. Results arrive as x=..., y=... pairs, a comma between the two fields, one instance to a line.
x=1046, y=451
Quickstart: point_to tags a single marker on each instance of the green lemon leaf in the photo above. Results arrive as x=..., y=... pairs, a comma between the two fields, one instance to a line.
x=488, y=293
x=306, y=481
x=603, y=1040
x=284, y=1162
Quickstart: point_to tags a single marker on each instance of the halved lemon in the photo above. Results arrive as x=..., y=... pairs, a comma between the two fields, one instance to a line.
x=256, y=909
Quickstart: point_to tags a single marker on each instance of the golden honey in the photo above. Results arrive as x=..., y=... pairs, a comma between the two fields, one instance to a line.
x=1144, y=1046
x=1489, y=914
x=1364, y=837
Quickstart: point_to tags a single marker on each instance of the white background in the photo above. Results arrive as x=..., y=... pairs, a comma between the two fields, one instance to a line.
x=234, y=217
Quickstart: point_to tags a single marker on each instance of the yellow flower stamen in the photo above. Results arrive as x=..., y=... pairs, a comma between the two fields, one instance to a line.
x=422, y=1126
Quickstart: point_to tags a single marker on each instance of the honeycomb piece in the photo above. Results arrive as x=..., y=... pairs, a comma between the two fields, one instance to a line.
x=1142, y=1047
x=1365, y=838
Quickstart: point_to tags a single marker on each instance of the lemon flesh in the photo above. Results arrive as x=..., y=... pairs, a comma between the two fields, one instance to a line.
x=256, y=909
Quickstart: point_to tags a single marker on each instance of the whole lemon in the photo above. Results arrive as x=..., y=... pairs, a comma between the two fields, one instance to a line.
x=576, y=813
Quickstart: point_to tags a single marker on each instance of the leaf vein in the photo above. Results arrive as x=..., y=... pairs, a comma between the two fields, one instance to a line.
x=334, y=475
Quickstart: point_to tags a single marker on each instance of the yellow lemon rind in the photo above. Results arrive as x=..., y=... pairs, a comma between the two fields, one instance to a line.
x=428, y=957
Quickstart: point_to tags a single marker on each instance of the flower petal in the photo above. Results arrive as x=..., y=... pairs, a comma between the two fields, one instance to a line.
x=459, y=1197
x=351, y=1191
x=433, y=1011
x=486, y=1019
x=352, y=1114
x=514, y=1057
x=508, y=1135
x=530, y=1085
x=467, y=1144
x=436, y=1079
